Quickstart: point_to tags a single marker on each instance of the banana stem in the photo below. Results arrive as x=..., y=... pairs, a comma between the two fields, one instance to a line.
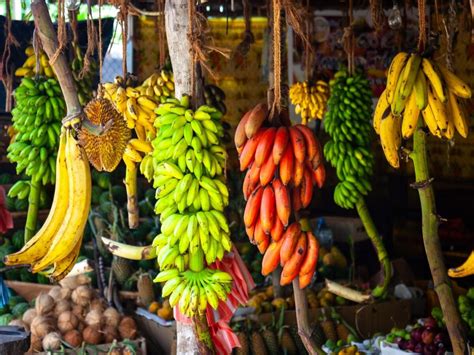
x=377, y=242
x=132, y=200
x=33, y=206
x=432, y=244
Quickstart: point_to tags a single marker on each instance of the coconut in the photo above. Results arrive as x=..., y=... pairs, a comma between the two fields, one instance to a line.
x=67, y=321
x=94, y=318
x=98, y=304
x=73, y=337
x=78, y=311
x=18, y=323
x=110, y=334
x=83, y=279
x=81, y=326
x=111, y=317
x=41, y=325
x=52, y=341
x=44, y=304
x=127, y=328
x=92, y=335
x=36, y=345
x=55, y=292
x=28, y=316
x=82, y=295
x=69, y=282
x=61, y=307
x=65, y=294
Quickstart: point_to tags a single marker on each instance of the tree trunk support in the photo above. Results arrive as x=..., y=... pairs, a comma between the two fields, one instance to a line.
x=432, y=244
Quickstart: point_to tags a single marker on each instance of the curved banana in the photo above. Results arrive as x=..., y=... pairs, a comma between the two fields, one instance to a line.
x=38, y=246
x=458, y=115
x=390, y=137
x=466, y=269
x=382, y=106
x=433, y=76
x=130, y=252
x=396, y=67
x=71, y=231
x=410, y=116
x=64, y=266
x=455, y=84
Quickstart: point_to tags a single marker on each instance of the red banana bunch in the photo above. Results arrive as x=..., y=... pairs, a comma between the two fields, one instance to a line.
x=283, y=165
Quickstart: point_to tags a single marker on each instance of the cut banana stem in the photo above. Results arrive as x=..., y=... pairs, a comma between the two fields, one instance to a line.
x=131, y=187
x=32, y=215
x=129, y=252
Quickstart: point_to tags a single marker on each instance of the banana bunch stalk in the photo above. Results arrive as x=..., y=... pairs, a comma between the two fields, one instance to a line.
x=187, y=167
x=417, y=86
x=55, y=247
x=37, y=121
x=28, y=69
x=309, y=100
x=348, y=124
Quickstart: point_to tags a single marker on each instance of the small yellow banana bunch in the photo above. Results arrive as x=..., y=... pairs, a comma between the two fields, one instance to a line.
x=160, y=85
x=137, y=108
x=28, y=69
x=418, y=85
x=310, y=100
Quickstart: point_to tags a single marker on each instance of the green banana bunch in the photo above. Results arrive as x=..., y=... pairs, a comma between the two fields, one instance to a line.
x=37, y=121
x=348, y=122
x=192, y=290
x=86, y=82
x=20, y=189
x=187, y=168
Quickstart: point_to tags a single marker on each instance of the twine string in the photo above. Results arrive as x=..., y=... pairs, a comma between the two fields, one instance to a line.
x=307, y=49
x=161, y=33
x=62, y=33
x=37, y=49
x=101, y=62
x=91, y=41
x=9, y=41
x=377, y=15
x=348, y=40
x=421, y=26
x=123, y=19
x=276, y=107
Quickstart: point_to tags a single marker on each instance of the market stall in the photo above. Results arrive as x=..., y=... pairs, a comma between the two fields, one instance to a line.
x=270, y=177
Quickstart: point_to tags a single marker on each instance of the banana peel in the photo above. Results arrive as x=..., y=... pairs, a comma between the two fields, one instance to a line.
x=466, y=269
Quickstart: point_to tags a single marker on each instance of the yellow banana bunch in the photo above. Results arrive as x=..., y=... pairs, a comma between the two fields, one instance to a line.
x=466, y=269
x=28, y=69
x=310, y=100
x=55, y=247
x=159, y=86
x=417, y=86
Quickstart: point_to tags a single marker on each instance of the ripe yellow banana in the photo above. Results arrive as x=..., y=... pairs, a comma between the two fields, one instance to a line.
x=430, y=121
x=455, y=84
x=410, y=116
x=458, y=115
x=466, y=269
x=390, y=137
x=62, y=267
x=382, y=106
x=396, y=67
x=434, y=77
x=438, y=109
x=37, y=247
x=421, y=90
x=72, y=228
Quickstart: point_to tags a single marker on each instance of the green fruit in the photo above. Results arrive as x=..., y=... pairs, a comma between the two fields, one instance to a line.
x=103, y=181
x=19, y=309
x=5, y=319
x=14, y=300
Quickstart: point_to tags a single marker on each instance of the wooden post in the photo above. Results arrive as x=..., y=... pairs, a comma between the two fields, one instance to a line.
x=432, y=245
x=191, y=338
x=45, y=30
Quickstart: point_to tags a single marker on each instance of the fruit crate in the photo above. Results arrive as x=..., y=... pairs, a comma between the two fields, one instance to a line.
x=114, y=348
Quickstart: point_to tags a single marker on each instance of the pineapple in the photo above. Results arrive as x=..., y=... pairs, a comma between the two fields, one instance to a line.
x=146, y=294
x=271, y=341
x=244, y=344
x=342, y=331
x=287, y=343
x=329, y=329
x=258, y=345
x=298, y=342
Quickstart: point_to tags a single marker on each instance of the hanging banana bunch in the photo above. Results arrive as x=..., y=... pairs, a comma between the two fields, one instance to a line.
x=37, y=120
x=419, y=87
x=55, y=247
x=310, y=100
x=28, y=69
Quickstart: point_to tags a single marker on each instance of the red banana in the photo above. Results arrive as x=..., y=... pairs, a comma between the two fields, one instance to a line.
x=240, y=138
x=282, y=138
x=254, y=172
x=290, y=238
x=297, y=141
x=252, y=209
x=286, y=165
x=292, y=266
x=267, y=171
x=311, y=257
x=267, y=209
x=298, y=174
x=265, y=146
x=320, y=175
x=305, y=279
x=282, y=201
x=310, y=141
x=296, y=198
x=307, y=188
x=271, y=259
x=246, y=185
x=250, y=232
x=277, y=230
x=248, y=153
x=260, y=238
x=257, y=116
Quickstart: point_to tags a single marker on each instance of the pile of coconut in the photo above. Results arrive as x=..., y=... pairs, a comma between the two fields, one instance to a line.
x=71, y=314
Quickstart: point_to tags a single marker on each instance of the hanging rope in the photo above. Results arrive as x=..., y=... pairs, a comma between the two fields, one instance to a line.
x=348, y=40
x=100, y=42
x=421, y=25
x=91, y=41
x=295, y=17
x=62, y=33
x=73, y=23
x=9, y=41
x=308, y=49
x=244, y=46
x=377, y=15
x=276, y=108
x=37, y=49
x=161, y=33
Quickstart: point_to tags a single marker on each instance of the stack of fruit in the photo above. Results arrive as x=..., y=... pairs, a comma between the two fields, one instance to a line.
x=283, y=165
x=348, y=124
x=55, y=247
x=466, y=308
x=416, y=84
x=309, y=100
x=29, y=69
x=189, y=163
